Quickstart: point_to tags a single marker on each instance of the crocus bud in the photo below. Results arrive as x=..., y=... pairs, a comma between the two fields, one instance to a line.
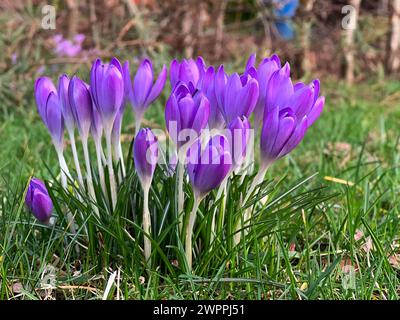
x=263, y=74
x=50, y=110
x=143, y=92
x=239, y=137
x=38, y=200
x=282, y=131
x=107, y=89
x=237, y=96
x=186, y=111
x=206, y=85
x=186, y=71
x=208, y=168
x=66, y=109
x=145, y=154
x=81, y=105
x=279, y=88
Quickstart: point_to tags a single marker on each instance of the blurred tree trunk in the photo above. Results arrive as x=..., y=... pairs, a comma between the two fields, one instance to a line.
x=187, y=25
x=394, y=42
x=305, y=36
x=72, y=17
x=349, y=48
x=218, y=16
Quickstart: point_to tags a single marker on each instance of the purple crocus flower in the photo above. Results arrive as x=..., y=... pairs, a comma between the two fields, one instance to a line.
x=289, y=112
x=143, y=92
x=145, y=154
x=107, y=89
x=236, y=95
x=186, y=111
x=263, y=74
x=186, y=71
x=50, y=110
x=208, y=168
x=240, y=130
x=81, y=105
x=38, y=200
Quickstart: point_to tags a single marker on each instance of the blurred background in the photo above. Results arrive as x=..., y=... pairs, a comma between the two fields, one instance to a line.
x=323, y=37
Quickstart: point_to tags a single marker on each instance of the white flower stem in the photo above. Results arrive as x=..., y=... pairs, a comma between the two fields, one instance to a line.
x=189, y=232
x=100, y=167
x=180, y=172
x=64, y=169
x=146, y=224
x=111, y=176
x=76, y=159
x=64, y=183
x=89, y=179
x=121, y=157
x=138, y=122
x=118, y=157
x=220, y=193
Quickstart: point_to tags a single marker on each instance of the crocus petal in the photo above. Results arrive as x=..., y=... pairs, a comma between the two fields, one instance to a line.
x=251, y=61
x=68, y=115
x=201, y=116
x=111, y=95
x=43, y=87
x=115, y=62
x=158, y=86
x=220, y=85
x=81, y=104
x=174, y=73
x=54, y=120
x=142, y=84
x=128, y=87
x=280, y=87
x=316, y=111
x=295, y=138
x=287, y=126
x=247, y=99
x=95, y=77
x=301, y=101
x=42, y=206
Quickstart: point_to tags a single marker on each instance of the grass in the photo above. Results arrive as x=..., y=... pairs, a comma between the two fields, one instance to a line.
x=341, y=182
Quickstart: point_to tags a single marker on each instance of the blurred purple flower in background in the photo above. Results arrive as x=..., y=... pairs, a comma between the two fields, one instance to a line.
x=68, y=48
x=38, y=200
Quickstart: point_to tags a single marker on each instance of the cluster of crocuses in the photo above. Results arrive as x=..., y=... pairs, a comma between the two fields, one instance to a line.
x=207, y=117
